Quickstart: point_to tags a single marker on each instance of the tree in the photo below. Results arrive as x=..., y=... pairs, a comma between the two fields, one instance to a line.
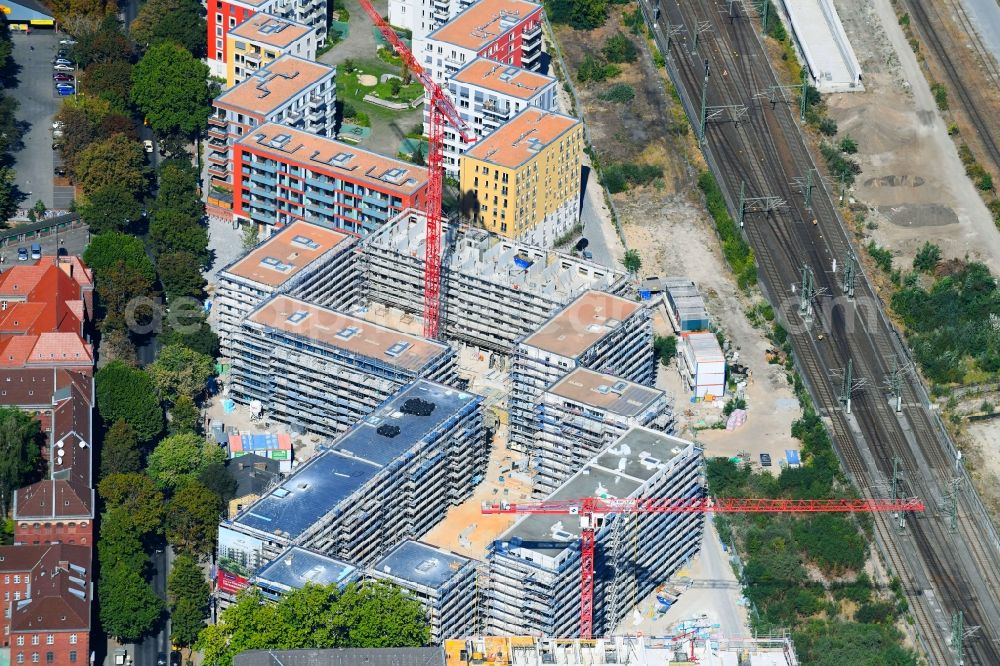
x=9, y=197
x=848, y=145
x=125, y=295
x=79, y=130
x=120, y=542
x=129, y=606
x=251, y=236
x=181, y=458
x=178, y=189
x=187, y=326
x=181, y=371
x=109, y=80
x=129, y=394
x=665, y=348
x=927, y=258
x=188, y=596
x=395, y=85
x=102, y=43
x=107, y=249
x=632, y=262
x=120, y=451
x=115, y=160
x=193, y=518
x=20, y=452
x=138, y=496
x=117, y=346
x=363, y=615
x=180, y=275
x=168, y=86
x=178, y=21
x=217, y=478
x=174, y=231
x=580, y=14
x=619, y=48
x=184, y=416
x=418, y=154
x=110, y=208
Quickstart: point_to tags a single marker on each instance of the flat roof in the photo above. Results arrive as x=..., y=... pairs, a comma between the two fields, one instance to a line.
x=617, y=472
x=338, y=330
x=520, y=139
x=337, y=472
x=483, y=22
x=297, y=566
x=418, y=563
x=705, y=347
x=282, y=256
x=331, y=156
x=578, y=326
x=269, y=29
x=613, y=394
x=506, y=79
x=828, y=52
x=274, y=85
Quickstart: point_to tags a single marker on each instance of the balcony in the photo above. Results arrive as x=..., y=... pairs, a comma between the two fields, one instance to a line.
x=217, y=133
x=218, y=171
x=218, y=121
x=531, y=33
x=218, y=158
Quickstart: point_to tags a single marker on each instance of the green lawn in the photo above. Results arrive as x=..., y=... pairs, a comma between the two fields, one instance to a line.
x=349, y=90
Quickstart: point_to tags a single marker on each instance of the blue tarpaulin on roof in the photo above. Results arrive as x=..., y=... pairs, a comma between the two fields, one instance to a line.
x=792, y=456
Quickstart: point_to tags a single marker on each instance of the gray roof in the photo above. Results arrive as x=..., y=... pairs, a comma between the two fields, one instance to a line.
x=424, y=656
x=421, y=564
x=253, y=473
x=621, y=470
x=296, y=567
x=336, y=473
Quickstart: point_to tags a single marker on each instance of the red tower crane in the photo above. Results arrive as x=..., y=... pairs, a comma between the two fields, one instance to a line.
x=441, y=110
x=593, y=511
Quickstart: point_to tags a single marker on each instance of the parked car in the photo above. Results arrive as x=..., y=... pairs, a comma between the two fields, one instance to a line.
x=62, y=68
x=67, y=42
x=587, y=254
x=57, y=134
x=148, y=145
x=57, y=125
x=22, y=254
x=65, y=92
x=62, y=61
x=66, y=78
x=765, y=460
x=65, y=87
x=60, y=171
x=36, y=251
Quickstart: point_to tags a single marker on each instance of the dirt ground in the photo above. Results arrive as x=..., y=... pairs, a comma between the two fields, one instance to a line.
x=912, y=179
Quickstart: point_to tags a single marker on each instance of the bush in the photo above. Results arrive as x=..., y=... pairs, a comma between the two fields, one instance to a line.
x=738, y=254
x=665, y=348
x=841, y=168
x=620, y=93
x=619, y=48
x=592, y=69
x=927, y=258
x=940, y=96
x=985, y=182
x=634, y=21
x=827, y=127
x=580, y=14
x=848, y=145
x=881, y=256
x=619, y=177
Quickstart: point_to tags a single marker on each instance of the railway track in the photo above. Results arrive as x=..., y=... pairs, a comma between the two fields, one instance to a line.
x=921, y=12
x=940, y=570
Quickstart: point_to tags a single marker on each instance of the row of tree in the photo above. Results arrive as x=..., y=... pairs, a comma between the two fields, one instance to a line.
x=11, y=131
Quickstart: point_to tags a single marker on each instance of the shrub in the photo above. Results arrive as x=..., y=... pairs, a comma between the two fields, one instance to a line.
x=927, y=258
x=738, y=254
x=620, y=93
x=985, y=182
x=592, y=69
x=665, y=348
x=881, y=256
x=940, y=95
x=619, y=48
x=634, y=20
x=827, y=127
x=848, y=145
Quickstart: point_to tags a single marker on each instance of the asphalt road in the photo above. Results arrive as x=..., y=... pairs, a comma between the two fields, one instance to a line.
x=38, y=100
x=594, y=228
x=73, y=241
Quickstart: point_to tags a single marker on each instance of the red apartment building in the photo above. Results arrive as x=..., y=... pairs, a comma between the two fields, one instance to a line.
x=46, y=369
x=281, y=175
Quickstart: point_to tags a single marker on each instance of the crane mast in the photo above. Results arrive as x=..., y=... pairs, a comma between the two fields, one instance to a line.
x=440, y=111
x=593, y=511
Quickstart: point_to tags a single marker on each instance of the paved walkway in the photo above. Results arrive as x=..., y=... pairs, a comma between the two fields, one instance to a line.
x=388, y=128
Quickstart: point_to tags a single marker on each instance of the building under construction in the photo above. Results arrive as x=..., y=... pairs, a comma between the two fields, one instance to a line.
x=584, y=412
x=534, y=568
x=494, y=290
x=303, y=259
x=319, y=370
x=442, y=581
x=600, y=331
x=390, y=477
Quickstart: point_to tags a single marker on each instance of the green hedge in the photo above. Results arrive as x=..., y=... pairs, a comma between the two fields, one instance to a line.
x=738, y=254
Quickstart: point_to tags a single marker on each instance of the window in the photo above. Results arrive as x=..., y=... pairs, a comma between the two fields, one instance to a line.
x=20, y=657
x=72, y=639
x=218, y=19
x=50, y=657
x=50, y=640
x=34, y=639
x=72, y=656
x=232, y=22
x=218, y=45
x=20, y=640
x=34, y=657
x=17, y=579
x=17, y=597
x=6, y=580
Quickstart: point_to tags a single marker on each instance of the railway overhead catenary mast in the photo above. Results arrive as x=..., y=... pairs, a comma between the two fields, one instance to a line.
x=441, y=110
x=593, y=510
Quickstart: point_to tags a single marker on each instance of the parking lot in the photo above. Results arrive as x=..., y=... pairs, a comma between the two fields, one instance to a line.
x=73, y=241
x=35, y=92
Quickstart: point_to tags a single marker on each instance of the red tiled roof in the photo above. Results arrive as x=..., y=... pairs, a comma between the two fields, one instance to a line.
x=16, y=351
x=60, y=592
x=52, y=499
x=64, y=348
x=21, y=557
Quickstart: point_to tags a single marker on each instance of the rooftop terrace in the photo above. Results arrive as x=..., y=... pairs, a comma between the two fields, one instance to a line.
x=548, y=273
x=505, y=79
x=419, y=564
x=279, y=258
x=336, y=473
x=483, y=22
x=271, y=30
x=337, y=330
x=578, y=326
x=272, y=86
x=520, y=139
x=614, y=394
